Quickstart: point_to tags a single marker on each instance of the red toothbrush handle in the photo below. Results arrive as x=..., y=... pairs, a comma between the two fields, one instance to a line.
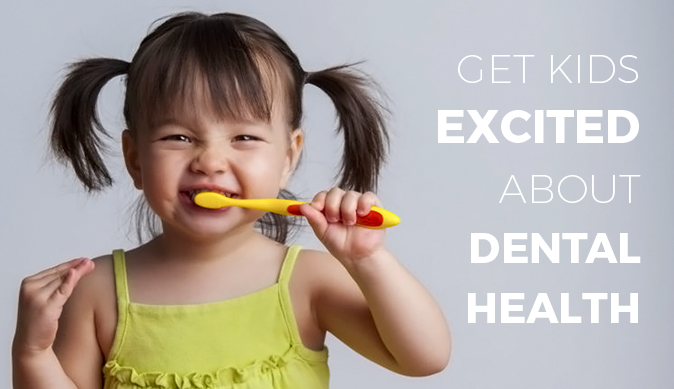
x=372, y=219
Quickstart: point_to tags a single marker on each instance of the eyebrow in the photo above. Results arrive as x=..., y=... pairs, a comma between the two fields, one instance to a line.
x=172, y=120
x=166, y=121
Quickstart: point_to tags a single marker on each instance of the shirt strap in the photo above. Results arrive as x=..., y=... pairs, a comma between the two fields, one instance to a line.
x=122, y=291
x=284, y=294
x=288, y=264
x=120, y=279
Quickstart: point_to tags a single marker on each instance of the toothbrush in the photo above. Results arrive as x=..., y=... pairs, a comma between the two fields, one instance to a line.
x=378, y=218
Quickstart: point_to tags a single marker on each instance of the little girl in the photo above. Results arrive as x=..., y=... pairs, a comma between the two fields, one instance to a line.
x=216, y=299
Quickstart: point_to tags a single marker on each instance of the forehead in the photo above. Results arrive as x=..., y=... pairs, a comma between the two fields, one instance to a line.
x=198, y=104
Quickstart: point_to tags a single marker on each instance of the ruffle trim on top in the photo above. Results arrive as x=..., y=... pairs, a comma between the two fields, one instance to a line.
x=129, y=376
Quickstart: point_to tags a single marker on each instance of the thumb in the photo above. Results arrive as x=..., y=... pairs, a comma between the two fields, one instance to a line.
x=315, y=218
x=74, y=275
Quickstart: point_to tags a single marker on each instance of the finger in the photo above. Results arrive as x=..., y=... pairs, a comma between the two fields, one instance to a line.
x=84, y=268
x=66, y=288
x=79, y=271
x=365, y=202
x=316, y=219
x=45, y=280
x=50, y=290
x=60, y=270
x=62, y=288
x=348, y=207
x=318, y=201
x=81, y=264
x=333, y=202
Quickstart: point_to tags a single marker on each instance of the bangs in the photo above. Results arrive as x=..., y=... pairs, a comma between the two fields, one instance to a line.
x=204, y=64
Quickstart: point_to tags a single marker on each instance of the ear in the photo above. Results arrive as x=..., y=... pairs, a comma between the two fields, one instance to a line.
x=130, y=150
x=293, y=155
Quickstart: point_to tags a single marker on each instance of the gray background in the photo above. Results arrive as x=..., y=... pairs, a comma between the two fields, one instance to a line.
x=442, y=192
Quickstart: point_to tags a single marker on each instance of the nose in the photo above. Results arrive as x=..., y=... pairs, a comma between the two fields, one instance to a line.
x=210, y=160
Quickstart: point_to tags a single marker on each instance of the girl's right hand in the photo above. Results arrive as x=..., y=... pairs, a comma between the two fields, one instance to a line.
x=41, y=300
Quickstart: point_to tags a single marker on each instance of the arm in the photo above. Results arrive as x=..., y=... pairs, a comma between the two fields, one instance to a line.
x=41, y=303
x=370, y=301
x=38, y=370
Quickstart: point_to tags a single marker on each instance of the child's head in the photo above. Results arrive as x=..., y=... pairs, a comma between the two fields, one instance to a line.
x=231, y=66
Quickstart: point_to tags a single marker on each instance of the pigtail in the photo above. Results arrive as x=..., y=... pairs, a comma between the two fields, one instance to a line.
x=76, y=131
x=361, y=120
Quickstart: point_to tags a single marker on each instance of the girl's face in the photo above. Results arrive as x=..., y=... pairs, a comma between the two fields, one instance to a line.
x=198, y=150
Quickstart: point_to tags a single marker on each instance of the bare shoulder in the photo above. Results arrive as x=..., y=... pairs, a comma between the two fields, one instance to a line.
x=89, y=290
x=97, y=287
x=79, y=345
x=103, y=272
x=327, y=282
x=94, y=303
x=318, y=270
x=101, y=286
x=311, y=272
x=339, y=306
x=313, y=260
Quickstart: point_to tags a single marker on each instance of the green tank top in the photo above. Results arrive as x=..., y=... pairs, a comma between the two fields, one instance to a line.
x=251, y=341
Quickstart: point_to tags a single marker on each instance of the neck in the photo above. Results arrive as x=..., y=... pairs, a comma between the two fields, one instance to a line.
x=173, y=245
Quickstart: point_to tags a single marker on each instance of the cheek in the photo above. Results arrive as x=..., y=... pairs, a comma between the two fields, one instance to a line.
x=158, y=168
x=261, y=168
x=262, y=171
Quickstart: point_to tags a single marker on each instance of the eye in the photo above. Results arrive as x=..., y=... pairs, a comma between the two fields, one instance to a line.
x=177, y=138
x=246, y=138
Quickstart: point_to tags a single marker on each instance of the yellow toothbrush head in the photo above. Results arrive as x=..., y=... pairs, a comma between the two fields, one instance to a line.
x=212, y=200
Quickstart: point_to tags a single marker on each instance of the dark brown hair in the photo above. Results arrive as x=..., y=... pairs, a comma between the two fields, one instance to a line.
x=239, y=63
